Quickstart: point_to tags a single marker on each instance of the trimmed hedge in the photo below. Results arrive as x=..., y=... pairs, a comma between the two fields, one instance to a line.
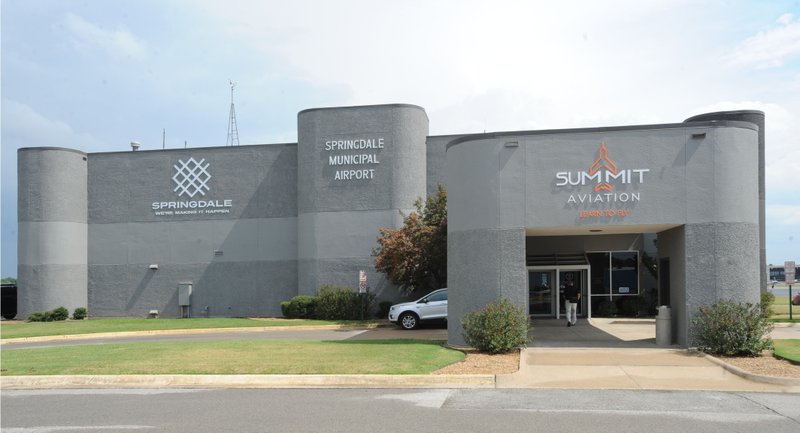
x=342, y=303
x=299, y=307
x=56, y=314
x=499, y=327
x=80, y=313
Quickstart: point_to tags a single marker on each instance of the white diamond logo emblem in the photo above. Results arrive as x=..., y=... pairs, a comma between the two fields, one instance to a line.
x=191, y=177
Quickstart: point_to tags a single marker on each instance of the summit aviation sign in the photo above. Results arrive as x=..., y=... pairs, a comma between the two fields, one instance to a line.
x=190, y=180
x=604, y=176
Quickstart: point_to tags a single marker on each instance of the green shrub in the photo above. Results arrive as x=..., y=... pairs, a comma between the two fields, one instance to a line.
x=605, y=308
x=383, y=309
x=730, y=328
x=342, y=303
x=767, y=299
x=299, y=307
x=36, y=317
x=59, y=314
x=499, y=327
x=80, y=313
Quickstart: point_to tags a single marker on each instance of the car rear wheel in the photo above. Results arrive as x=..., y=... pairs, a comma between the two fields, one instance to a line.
x=408, y=321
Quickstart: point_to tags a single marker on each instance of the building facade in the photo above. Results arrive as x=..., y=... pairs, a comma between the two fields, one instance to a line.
x=250, y=226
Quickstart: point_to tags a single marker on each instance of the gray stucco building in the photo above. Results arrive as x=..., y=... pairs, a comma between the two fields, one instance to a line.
x=251, y=226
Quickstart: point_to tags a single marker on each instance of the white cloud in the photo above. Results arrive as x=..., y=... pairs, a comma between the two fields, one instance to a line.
x=24, y=127
x=770, y=48
x=436, y=54
x=118, y=43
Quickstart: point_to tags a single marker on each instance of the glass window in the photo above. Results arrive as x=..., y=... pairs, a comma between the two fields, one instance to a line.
x=625, y=273
x=441, y=296
x=600, y=274
x=614, y=272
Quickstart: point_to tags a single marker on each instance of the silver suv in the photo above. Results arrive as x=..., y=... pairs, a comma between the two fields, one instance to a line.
x=432, y=306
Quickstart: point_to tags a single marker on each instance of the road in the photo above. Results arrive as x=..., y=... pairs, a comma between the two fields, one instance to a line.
x=394, y=410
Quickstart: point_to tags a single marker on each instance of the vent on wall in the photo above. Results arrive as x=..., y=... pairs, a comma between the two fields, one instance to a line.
x=556, y=259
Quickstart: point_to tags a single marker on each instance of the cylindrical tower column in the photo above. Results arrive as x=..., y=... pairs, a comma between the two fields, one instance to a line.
x=357, y=168
x=757, y=118
x=52, y=217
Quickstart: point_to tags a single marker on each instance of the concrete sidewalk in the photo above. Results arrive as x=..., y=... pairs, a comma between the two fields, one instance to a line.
x=633, y=368
x=621, y=353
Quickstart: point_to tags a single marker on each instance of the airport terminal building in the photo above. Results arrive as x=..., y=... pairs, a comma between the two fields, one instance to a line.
x=247, y=227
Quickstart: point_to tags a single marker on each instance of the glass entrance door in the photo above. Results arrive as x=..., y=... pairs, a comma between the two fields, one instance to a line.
x=540, y=291
x=546, y=286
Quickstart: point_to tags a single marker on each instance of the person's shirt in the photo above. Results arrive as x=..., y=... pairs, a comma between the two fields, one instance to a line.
x=571, y=292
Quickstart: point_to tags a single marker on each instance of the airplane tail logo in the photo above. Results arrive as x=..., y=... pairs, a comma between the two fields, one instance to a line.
x=603, y=162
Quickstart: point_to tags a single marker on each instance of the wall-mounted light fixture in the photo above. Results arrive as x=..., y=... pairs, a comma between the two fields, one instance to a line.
x=154, y=267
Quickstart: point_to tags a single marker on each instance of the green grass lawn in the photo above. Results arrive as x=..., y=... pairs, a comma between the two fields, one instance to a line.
x=93, y=326
x=780, y=310
x=234, y=357
x=789, y=349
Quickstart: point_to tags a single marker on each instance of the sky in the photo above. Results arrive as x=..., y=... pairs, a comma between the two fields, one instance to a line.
x=94, y=75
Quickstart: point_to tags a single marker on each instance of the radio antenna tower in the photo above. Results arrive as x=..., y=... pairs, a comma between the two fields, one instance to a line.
x=233, y=130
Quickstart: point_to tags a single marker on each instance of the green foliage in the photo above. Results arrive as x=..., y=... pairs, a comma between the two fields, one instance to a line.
x=767, y=300
x=605, y=308
x=255, y=356
x=499, y=327
x=414, y=257
x=342, y=303
x=8, y=280
x=60, y=313
x=299, y=307
x=383, y=309
x=54, y=315
x=80, y=313
x=37, y=317
x=730, y=328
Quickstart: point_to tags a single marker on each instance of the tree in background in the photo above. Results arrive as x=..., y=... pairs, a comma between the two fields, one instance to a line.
x=414, y=257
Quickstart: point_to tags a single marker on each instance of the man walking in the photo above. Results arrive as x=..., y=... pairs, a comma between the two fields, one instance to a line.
x=572, y=295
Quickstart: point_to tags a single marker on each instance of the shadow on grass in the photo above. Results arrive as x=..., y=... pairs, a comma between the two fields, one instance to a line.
x=393, y=342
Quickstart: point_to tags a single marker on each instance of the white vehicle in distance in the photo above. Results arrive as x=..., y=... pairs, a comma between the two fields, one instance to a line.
x=430, y=307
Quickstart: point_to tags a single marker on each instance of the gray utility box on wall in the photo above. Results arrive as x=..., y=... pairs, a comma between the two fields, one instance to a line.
x=184, y=294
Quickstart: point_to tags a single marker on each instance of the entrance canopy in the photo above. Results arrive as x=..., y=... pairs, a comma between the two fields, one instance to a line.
x=518, y=199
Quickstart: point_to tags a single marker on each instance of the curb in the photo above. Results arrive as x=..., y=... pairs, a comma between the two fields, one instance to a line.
x=773, y=380
x=248, y=381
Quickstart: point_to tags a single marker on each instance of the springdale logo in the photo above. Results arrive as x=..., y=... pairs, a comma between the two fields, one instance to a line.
x=191, y=178
x=603, y=175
